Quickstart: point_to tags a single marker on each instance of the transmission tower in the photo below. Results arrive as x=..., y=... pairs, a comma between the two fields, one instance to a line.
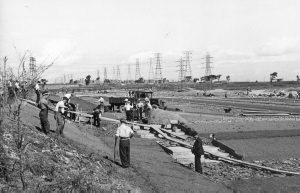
x=114, y=74
x=32, y=66
x=118, y=73
x=105, y=74
x=137, y=70
x=208, y=67
x=181, y=70
x=128, y=74
x=188, y=70
x=158, y=74
x=98, y=75
x=151, y=73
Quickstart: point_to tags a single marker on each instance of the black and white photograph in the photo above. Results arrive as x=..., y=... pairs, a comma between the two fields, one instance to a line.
x=149, y=96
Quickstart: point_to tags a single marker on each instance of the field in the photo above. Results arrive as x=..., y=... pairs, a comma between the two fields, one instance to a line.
x=271, y=140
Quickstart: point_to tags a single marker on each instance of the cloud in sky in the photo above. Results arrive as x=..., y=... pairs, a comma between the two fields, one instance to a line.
x=280, y=46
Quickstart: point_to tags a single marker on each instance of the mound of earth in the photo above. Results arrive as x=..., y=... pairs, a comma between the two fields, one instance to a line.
x=159, y=116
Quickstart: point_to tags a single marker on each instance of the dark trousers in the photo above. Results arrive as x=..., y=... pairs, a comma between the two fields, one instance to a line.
x=45, y=126
x=96, y=119
x=124, y=147
x=140, y=112
x=60, y=123
x=128, y=115
x=37, y=92
x=198, y=167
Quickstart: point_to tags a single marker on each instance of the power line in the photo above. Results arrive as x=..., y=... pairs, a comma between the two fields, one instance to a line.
x=137, y=70
x=181, y=70
x=128, y=74
x=208, y=67
x=158, y=74
x=118, y=73
x=151, y=73
x=188, y=70
x=105, y=74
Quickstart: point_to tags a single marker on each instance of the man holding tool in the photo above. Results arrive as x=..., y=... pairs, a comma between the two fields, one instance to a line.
x=124, y=133
x=59, y=116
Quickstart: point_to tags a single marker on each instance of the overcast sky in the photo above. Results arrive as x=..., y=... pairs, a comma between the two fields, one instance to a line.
x=249, y=39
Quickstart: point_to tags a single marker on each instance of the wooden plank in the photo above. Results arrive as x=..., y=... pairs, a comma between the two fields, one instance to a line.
x=173, y=133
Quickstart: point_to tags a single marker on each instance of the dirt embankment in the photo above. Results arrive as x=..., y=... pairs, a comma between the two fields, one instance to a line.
x=152, y=169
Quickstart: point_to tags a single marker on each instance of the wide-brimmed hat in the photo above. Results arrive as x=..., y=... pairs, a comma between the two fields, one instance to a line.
x=126, y=100
x=45, y=93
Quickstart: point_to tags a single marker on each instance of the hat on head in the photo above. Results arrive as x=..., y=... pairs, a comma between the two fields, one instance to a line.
x=122, y=120
x=68, y=96
x=45, y=93
x=126, y=100
x=147, y=99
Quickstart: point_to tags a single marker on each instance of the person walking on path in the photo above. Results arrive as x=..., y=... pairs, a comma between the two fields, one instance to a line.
x=59, y=116
x=124, y=133
x=37, y=92
x=128, y=109
x=140, y=106
x=43, y=105
x=197, y=150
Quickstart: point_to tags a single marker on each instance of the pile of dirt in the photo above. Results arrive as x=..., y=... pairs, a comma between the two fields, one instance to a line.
x=48, y=163
x=159, y=116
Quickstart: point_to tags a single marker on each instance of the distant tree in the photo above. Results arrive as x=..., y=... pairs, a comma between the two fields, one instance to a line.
x=273, y=76
x=98, y=78
x=218, y=77
x=76, y=82
x=71, y=81
x=106, y=81
x=188, y=78
x=298, y=79
x=228, y=78
x=88, y=80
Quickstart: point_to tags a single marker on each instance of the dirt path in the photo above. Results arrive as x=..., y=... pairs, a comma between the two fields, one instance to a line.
x=152, y=169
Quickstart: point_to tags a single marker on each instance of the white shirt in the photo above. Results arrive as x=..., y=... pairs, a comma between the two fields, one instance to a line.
x=149, y=105
x=128, y=107
x=37, y=87
x=60, y=107
x=17, y=85
x=124, y=131
x=140, y=105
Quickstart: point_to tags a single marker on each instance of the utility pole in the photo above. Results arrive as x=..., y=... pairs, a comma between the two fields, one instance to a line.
x=137, y=70
x=188, y=70
x=151, y=73
x=105, y=74
x=114, y=74
x=181, y=70
x=118, y=73
x=158, y=74
x=129, y=74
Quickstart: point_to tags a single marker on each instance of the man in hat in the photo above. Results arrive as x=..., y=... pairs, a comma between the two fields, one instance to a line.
x=124, y=133
x=128, y=109
x=197, y=150
x=147, y=107
x=140, y=106
x=59, y=116
x=97, y=112
x=43, y=105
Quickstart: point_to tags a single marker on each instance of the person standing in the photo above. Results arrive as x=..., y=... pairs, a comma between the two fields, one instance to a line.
x=97, y=113
x=43, y=105
x=17, y=87
x=128, y=109
x=197, y=150
x=37, y=92
x=59, y=116
x=147, y=107
x=140, y=106
x=124, y=133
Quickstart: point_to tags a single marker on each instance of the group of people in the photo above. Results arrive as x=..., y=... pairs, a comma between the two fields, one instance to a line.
x=60, y=112
x=137, y=109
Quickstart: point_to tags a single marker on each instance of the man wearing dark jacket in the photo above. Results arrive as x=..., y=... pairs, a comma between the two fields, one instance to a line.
x=197, y=150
